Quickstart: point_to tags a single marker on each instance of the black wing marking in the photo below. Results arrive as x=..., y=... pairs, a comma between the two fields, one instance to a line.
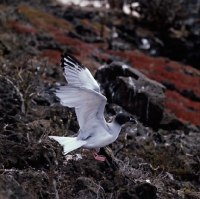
x=76, y=74
x=69, y=60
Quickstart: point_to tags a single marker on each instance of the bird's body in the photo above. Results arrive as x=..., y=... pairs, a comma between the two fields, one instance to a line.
x=104, y=133
x=83, y=93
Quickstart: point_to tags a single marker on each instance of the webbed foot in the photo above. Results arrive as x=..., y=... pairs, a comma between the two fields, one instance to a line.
x=98, y=157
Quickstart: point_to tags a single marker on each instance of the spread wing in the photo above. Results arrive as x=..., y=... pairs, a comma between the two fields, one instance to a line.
x=89, y=106
x=83, y=93
x=76, y=74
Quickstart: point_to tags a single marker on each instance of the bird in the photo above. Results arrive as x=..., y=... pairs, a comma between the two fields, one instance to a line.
x=83, y=93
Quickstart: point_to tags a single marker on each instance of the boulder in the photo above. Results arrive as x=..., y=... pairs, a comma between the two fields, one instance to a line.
x=136, y=93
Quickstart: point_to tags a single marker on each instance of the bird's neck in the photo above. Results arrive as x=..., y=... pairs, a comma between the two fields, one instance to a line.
x=115, y=127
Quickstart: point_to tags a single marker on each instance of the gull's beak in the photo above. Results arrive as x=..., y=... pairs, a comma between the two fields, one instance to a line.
x=132, y=120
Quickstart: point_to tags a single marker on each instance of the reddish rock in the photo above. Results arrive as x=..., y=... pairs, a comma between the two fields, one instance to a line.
x=52, y=55
x=22, y=28
x=184, y=108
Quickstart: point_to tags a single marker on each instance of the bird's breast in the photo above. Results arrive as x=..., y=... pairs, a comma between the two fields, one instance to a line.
x=100, y=139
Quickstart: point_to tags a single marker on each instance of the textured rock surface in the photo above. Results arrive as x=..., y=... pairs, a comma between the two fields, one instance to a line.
x=182, y=83
x=40, y=30
x=11, y=189
x=130, y=89
x=159, y=162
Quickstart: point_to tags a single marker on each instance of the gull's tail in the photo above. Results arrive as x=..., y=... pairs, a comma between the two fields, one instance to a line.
x=68, y=143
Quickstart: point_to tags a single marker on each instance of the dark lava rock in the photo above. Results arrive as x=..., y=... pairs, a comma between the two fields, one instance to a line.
x=132, y=90
x=71, y=14
x=141, y=191
x=170, y=122
x=146, y=191
x=9, y=189
x=166, y=158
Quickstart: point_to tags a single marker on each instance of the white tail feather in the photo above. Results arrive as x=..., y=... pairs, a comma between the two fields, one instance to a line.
x=68, y=143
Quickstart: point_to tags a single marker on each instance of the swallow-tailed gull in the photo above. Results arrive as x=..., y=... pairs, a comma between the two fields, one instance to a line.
x=83, y=93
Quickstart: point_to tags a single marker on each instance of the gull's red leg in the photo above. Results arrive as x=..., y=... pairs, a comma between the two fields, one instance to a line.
x=98, y=157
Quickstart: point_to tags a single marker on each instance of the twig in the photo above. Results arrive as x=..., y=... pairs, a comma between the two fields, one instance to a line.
x=18, y=92
x=55, y=190
x=8, y=170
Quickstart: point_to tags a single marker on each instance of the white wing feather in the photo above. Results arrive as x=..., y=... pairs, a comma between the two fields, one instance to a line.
x=76, y=74
x=89, y=105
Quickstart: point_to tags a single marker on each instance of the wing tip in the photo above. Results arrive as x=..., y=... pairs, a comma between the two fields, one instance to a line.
x=70, y=60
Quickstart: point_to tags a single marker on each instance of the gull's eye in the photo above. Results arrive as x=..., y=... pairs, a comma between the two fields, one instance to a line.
x=127, y=117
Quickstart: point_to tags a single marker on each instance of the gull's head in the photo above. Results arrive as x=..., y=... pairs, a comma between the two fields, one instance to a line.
x=123, y=118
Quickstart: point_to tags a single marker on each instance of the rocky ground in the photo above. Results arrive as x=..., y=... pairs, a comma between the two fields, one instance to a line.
x=157, y=158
